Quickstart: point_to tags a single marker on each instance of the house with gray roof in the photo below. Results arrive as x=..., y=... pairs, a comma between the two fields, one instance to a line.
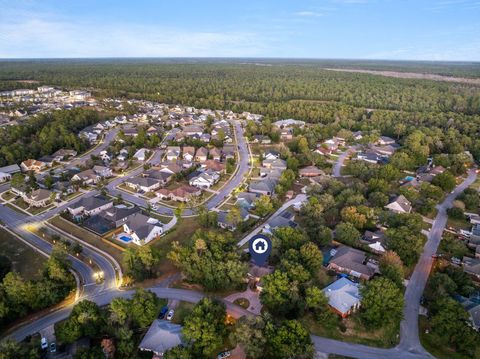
x=89, y=206
x=161, y=337
x=351, y=261
x=343, y=296
x=142, y=229
x=265, y=186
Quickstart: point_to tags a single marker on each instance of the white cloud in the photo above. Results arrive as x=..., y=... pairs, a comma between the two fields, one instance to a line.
x=39, y=36
x=309, y=13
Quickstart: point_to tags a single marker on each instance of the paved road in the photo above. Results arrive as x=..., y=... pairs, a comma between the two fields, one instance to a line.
x=337, y=167
x=409, y=327
x=298, y=198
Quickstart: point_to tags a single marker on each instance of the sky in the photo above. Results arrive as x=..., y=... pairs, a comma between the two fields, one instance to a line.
x=439, y=30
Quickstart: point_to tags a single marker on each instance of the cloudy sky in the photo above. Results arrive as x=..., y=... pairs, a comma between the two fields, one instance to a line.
x=361, y=29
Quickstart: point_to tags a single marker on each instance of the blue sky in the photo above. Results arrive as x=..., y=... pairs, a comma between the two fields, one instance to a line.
x=361, y=29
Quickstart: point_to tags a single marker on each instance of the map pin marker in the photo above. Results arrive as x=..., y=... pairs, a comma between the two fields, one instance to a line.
x=260, y=247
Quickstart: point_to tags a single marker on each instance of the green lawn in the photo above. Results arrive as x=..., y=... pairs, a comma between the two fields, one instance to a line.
x=458, y=223
x=25, y=260
x=8, y=195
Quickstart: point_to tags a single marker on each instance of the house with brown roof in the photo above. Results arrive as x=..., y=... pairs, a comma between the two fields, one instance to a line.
x=351, y=261
x=188, y=153
x=38, y=198
x=310, y=171
x=216, y=154
x=400, y=205
x=181, y=194
x=33, y=165
x=214, y=165
x=201, y=155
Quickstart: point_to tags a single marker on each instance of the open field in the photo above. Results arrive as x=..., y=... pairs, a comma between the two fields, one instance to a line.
x=25, y=260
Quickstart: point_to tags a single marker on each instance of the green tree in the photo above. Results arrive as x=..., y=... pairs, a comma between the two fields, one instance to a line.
x=280, y=295
x=391, y=267
x=144, y=307
x=288, y=340
x=405, y=243
x=445, y=181
x=347, y=233
x=263, y=205
x=249, y=332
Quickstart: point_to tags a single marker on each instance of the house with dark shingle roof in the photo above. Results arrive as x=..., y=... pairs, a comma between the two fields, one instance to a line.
x=400, y=205
x=351, y=261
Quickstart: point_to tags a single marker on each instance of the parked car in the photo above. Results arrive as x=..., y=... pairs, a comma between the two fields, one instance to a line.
x=223, y=355
x=44, y=343
x=53, y=348
x=163, y=311
x=170, y=314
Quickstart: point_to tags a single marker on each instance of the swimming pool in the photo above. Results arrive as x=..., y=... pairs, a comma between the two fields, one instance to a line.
x=409, y=178
x=125, y=239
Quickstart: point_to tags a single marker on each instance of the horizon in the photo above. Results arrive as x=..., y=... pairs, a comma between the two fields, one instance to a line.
x=446, y=30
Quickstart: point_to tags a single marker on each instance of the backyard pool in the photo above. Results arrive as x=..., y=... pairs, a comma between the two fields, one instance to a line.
x=125, y=239
x=409, y=178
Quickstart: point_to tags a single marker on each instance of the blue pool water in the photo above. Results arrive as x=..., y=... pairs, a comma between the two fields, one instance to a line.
x=409, y=178
x=125, y=239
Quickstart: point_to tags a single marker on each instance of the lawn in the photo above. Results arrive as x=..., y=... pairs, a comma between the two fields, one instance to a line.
x=88, y=237
x=182, y=232
x=25, y=260
x=8, y=195
x=458, y=223
x=182, y=311
x=37, y=210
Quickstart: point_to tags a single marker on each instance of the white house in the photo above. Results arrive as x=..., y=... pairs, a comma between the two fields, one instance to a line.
x=343, y=296
x=89, y=206
x=142, y=229
x=205, y=179
x=141, y=155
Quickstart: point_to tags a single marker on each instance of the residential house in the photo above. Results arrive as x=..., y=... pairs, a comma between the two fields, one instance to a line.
x=143, y=184
x=188, y=153
x=87, y=177
x=193, y=131
x=225, y=222
x=351, y=261
x=110, y=219
x=162, y=176
x=471, y=266
x=161, y=337
x=180, y=194
x=201, y=155
x=271, y=155
x=205, y=137
x=64, y=154
x=173, y=153
x=262, y=139
x=12, y=169
x=205, y=179
x=288, y=123
x=89, y=206
x=385, y=140
x=102, y=171
x=142, y=229
x=33, y=165
x=246, y=200
x=265, y=186
x=141, y=155
x=228, y=151
x=216, y=154
x=38, y=198
x=214, y=165
x=276, y=163
x=343, y=296
x=284, y=219
x=400, y=205
x=310, y=171
x=286, y=134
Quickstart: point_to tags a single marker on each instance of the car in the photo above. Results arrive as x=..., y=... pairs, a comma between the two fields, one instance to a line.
x=223, y=355
x=170, y=314
x=53, y=348
x=163, y=311
x=44, y=343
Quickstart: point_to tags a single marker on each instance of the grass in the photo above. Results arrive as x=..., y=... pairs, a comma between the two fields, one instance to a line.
x=87, y=236
x=243, y=302
x=37, y=210
x=21, y=203
x=182, y=232
x=182, y=311
x=458, y=223
x=433, y=346
x=8, y=195
x=25, y=260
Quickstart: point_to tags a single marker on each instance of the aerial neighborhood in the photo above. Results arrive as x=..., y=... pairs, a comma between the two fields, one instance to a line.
x=162, y=191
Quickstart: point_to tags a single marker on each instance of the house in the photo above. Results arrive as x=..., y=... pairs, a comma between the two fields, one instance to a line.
x=142, y=229
x=246, y=200
x=265, y=186
x=4, y=177
x=214, y=165
x=276, y=163
x=343, y=296
x=104, y=156
x=188, y=153
x=284, y=219
x=271, y=155
x=472, y=306
x=181, y=194
x=64, y=154
x=32, y=165
x=87, y=177
x=205, y=179
x=264, y=140
x=369, y=156
x=273, y=174
x=286, y=134
x=216, y=154
x=288, y=123
x=143, y=184
x=171, y=167
x=310, y=171
x=201, y=155
x=400, y=205
x=12, y=169
x=89, y=206
x=162, y=176
x=255, y=275
x=193, y=131
x=38, y=198
x=385, y=140
x=141, y=154
x=386, y=150
x=471, y=266
x=102, y=171
x=224, y=221
x=110, y=219
x=351, y=261
x=228, y=151
x=161, y=337
x=173, y=153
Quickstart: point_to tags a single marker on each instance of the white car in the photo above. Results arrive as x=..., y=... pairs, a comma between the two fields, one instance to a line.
x=170, y=314
x=44, y=343
x=223, y=355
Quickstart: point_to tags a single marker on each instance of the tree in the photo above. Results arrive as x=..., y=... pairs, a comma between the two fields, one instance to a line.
x=18, y=180
x=311, y=257
x=289, y=340
x=234, y=216
x=391, y=267
x=263, y=205
x=120, y=310
x=347, y=233
x=178, y=352
x=179, y=210
x=456, y=212
x=205, y=326
x=351, y=215
x=144, y=307
x=279, y=294
x=453, y=247
x=445, y=181
x=249, y=332
x=382, y=303
x=84, y=320
x=405, y=243
x=286, y=238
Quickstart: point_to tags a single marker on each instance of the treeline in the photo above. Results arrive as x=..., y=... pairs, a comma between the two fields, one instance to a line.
x=45, y=134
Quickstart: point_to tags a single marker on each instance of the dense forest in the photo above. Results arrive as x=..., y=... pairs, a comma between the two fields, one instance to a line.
x=45, y=134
